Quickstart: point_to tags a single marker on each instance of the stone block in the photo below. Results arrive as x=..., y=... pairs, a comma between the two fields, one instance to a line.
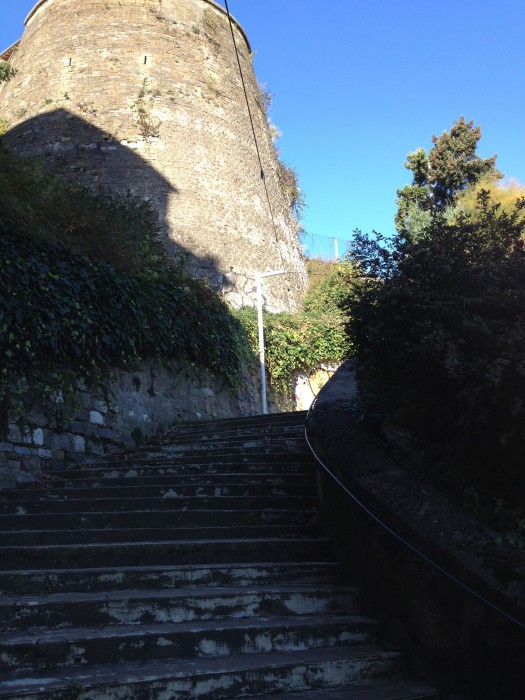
x=37, y=437
x=79, y=443
x=96, y=418
x=14, y=433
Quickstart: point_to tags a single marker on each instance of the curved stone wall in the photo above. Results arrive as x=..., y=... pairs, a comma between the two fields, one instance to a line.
x=145, y=96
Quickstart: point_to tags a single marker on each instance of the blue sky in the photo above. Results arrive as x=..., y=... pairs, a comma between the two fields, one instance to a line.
x=358, y=84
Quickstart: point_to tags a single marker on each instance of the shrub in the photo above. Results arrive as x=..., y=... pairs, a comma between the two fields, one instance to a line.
x=439, y=333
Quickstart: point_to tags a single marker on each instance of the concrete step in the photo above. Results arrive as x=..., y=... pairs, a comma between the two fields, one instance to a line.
x=63, y=610
x=49, y=580
x=279, y=441
x=119, y=468
x=174, y=480
x=170, y=552
x=92, y=505
x=243, y=449
x=154, y=519
x=273, y=421
x=33, y=538
x=183, y=640
x=252, y=461
x=375, y=689
x=267, y=491
x=237, y=676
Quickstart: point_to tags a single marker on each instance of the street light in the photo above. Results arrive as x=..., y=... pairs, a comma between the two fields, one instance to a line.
x=258, y=282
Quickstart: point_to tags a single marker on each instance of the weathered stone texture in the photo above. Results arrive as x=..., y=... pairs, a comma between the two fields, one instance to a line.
x=142, y=403
x=145, y=96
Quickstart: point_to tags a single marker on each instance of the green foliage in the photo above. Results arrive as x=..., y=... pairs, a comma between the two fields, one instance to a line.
x=439, y=176
x=119, y=231
x=65, y=319
x=306, y=340
x=86, y=287
x=328, y=289
x=290, y=183
x=6, y=71
x=438, y=328
x=287, y=175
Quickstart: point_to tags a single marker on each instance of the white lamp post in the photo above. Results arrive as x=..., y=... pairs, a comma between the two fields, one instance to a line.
x=258, y=281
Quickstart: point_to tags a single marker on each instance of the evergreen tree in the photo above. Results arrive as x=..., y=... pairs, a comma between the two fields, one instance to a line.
x=450, y=167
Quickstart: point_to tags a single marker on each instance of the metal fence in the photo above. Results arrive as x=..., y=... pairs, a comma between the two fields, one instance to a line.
x=329, y=248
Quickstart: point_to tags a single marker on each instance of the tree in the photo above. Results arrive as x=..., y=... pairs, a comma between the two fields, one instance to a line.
x=439, y=176
x=438, y=319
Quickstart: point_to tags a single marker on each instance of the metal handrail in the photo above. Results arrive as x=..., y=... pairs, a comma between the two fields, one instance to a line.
x=401, y=539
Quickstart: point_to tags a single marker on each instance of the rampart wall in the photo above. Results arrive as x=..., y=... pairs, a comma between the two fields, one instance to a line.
x=145, y=96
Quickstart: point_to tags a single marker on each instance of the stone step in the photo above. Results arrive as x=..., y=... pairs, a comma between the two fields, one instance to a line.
x=89, y=505
x=279, y=442
x=118, y=468
x=155, y=519
x=64, y=610
x=182, y=640
x=260, y=425
x=226, y=450
x=169, y=552
x=49, y=580
x=33, y=538
x=208, y=678
x=273, y=421
x=252, y=461
x=118, y=479
x=280, y=438
x=375, y=689
x=165, y=492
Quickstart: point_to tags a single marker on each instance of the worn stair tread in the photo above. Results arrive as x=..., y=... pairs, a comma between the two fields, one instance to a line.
x=7, y=601
x=234, y=478
x=378, y=689
x=27, y=507
x=168, y=551
x=38, y=581
x=164, y=629
x=169, y=467
x=197, y=672
x=39, y=523
x=71, y=536
x=174, y=492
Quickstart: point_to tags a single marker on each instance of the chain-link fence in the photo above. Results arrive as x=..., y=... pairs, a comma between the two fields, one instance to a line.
x=325, y=247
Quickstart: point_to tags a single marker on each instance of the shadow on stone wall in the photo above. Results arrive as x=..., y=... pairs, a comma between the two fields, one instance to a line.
x=71, y=146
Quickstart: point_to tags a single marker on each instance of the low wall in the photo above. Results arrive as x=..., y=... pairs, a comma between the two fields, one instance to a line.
x=143, y=403
x=455, y=640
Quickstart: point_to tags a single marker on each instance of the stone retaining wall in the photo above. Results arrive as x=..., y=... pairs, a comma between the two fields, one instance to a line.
x=142, y=404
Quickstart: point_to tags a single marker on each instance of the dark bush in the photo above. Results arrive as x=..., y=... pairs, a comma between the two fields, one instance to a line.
x=438, y=328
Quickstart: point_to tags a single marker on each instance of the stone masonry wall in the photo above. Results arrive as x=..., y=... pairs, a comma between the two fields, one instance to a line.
x=145, y=96
x=142, y=404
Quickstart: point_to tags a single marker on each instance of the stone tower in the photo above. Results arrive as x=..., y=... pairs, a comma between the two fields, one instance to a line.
x=145, y=96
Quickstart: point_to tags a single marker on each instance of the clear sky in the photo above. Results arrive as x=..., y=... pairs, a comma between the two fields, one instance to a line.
x=358, y=84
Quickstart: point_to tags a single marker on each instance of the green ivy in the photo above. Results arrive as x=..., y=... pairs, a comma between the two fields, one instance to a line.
x=65, y=320
x=296, y=342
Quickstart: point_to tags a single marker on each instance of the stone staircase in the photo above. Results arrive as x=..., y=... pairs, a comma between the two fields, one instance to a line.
x=195, y=570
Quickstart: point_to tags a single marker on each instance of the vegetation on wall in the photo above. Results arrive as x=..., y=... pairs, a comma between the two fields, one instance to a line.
x=67, y=319
x=304, y=341
x=287, y=175
x=6, y=71
x=119, y=231
x=438, y=327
